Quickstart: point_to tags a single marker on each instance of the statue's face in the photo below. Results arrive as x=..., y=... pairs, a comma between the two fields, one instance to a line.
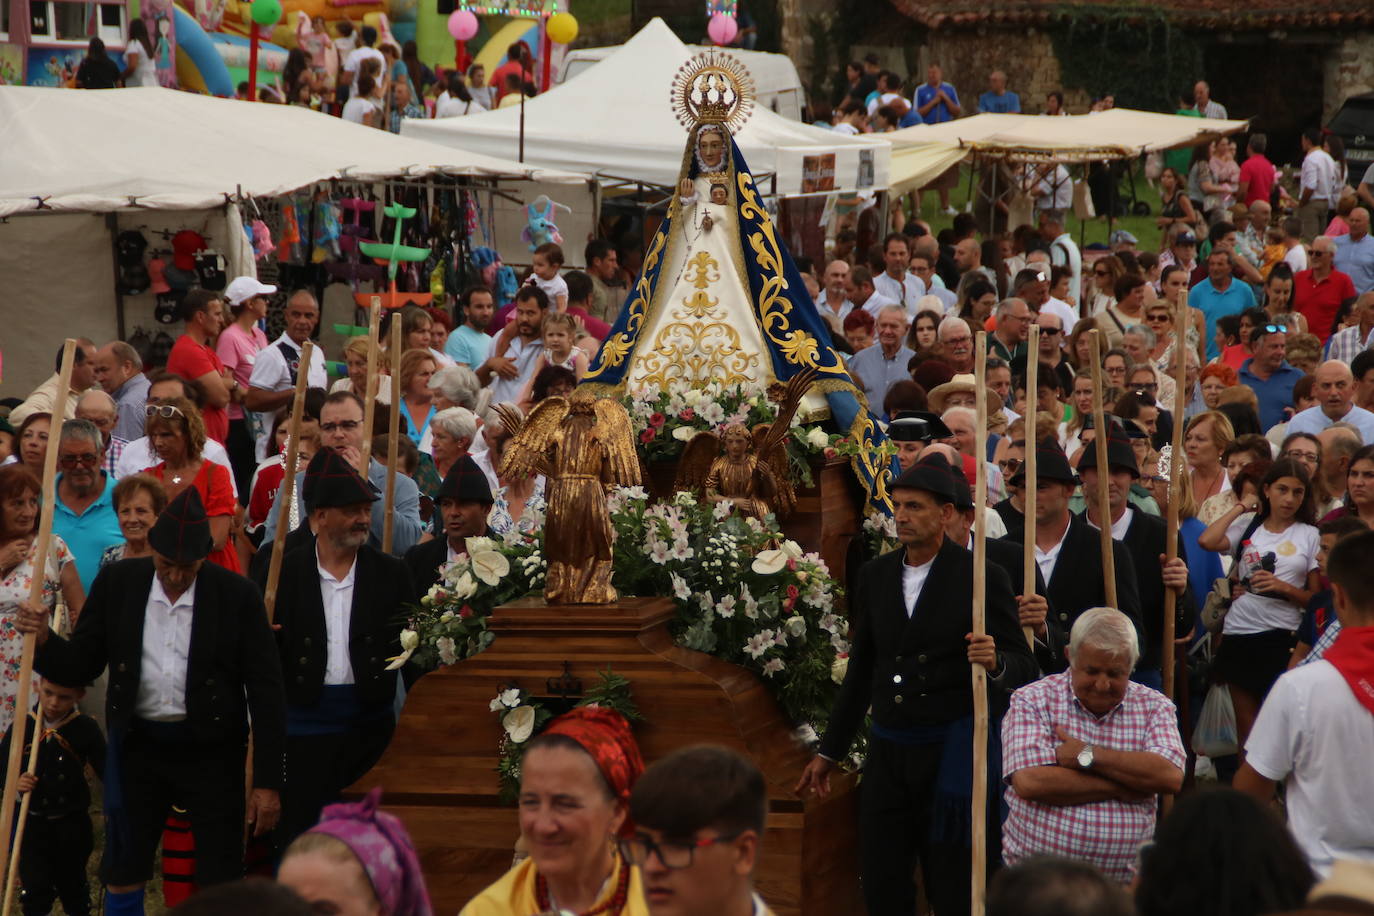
x=736, y=445
x=711, y=146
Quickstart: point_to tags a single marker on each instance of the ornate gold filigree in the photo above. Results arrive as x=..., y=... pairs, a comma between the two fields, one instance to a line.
x=713, y=87
x=618, y=347
x=692, y=352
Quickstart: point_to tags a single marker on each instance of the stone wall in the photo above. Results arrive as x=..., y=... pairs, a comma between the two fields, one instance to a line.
x=1348, y=70
x=1028, y=59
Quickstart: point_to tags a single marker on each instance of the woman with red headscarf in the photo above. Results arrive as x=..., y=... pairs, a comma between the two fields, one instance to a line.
x=575, y=782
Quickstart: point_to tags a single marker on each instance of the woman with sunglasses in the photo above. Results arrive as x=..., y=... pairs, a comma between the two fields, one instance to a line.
x=575, y=782
x=177, y=434
x=18, y=544
x=1105, y=272
x=1278, y=300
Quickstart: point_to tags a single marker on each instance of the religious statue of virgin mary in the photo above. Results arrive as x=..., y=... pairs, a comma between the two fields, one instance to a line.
x=719, y=299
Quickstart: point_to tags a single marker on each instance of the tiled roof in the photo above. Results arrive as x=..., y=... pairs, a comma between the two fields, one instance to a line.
x=1236, y=15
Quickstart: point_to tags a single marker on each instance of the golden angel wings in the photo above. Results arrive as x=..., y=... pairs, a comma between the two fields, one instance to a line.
x=532, y=437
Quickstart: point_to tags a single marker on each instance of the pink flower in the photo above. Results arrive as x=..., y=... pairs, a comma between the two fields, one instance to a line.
x=830, y=452
x=688, y=414
x=792, y=591
x=657, y=419
x=648, y=435
x=792, y=565
x=465, y=611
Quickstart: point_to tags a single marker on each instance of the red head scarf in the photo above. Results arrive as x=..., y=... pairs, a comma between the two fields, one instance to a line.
x=606, y=736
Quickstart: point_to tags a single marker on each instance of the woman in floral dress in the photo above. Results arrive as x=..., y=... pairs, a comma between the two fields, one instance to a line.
x=18, y=545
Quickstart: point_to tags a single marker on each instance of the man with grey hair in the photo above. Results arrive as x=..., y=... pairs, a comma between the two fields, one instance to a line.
x=119, y=371
x=1321, y=292
x=879, y=368
x=1008, y=340
x=98, y=407
x=1339, y=442
x=1087, y=752
x=954, y=335
x=1138, y=341
x=85, y=517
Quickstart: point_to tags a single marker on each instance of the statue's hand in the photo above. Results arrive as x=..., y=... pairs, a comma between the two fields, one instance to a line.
x=685, y=188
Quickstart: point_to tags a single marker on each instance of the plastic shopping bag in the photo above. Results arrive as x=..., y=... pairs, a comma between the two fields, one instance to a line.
x=1215, y=735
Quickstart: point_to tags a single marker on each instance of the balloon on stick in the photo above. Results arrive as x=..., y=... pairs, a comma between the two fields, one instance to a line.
x=265, y=14
x=462, y=25
x=562, y=28
x=722, y=28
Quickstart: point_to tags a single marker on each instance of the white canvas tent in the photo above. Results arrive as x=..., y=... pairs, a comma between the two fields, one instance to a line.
x=96, y=152
x=77, y=167
x=922, y=152
x=616, y=120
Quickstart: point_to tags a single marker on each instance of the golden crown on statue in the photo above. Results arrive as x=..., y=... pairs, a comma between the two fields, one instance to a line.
x=713, y=88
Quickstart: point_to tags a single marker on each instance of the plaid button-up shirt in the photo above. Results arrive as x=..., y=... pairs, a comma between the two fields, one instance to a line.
x=113, y=450
x=1105, y=833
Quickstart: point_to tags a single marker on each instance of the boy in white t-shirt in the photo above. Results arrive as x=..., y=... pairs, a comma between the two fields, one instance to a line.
x=548, y=261
x=1315, y=731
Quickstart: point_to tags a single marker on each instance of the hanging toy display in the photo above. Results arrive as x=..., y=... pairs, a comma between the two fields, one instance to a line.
x=395, y=254
x=541, y=229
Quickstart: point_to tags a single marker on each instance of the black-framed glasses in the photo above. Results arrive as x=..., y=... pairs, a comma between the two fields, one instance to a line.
x=637, y=849
x=86, y=461
x=1156, y=318
x=166, y=411
x=1050, y=332
x=345, y=425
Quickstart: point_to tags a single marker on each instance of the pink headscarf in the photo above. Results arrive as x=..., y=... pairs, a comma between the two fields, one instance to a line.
x=382, y=846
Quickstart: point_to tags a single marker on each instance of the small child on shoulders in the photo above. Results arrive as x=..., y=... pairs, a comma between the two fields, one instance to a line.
x=548, y=261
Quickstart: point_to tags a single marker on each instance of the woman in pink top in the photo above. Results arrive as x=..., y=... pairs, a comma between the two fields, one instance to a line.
x=238, y=346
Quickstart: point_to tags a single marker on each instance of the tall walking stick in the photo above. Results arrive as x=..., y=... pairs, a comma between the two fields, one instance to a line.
x=1176, y=484
x=288, y=481
x=979, y=825
x=393, y=444
x=1104, y=505
x=370, y=389
x=1032, y=441
x=21, y=699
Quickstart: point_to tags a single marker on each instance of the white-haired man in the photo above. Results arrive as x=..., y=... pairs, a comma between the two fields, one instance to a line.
x=1086, y=753
x=957, y=339
x=880, y=367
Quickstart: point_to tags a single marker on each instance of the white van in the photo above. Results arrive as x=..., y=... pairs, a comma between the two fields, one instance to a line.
x=775, y=78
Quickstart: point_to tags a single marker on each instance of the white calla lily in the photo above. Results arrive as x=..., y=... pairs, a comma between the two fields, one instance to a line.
x=768, y=562
x=490, y=566
x=519, y=723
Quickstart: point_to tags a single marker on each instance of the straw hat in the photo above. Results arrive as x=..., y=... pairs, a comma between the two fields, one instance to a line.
x=961, y=384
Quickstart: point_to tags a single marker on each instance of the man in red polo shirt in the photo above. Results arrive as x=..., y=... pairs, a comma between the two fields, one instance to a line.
x=1256, y=172
x=193, y=358
x=520, y=61
x=1320, y=291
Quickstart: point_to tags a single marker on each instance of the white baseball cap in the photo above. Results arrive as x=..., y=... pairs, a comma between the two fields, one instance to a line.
x=245, y=288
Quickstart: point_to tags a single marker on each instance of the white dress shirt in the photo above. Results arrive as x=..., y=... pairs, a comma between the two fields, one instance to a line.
x=907, y=293
x=337, y=595
x=913, y=580
x=166, y=651
x=1046, y=559
x=1119, y=526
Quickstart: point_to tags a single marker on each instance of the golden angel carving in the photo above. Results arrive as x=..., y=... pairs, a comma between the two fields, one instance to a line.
x=752, y=473
x=583, y=446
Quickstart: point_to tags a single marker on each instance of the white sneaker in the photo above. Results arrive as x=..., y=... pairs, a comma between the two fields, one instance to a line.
x=950, y=211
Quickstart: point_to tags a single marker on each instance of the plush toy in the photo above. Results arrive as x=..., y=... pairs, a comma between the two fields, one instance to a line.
x=541, y=229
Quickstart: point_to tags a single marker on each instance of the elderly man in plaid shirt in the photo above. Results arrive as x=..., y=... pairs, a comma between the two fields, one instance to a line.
x=1086, y=752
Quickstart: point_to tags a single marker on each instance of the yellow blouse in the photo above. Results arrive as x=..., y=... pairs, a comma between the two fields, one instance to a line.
x=513, y=894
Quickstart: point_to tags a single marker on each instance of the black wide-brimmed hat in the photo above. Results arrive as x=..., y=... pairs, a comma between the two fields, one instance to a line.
x=1120, y=455
x=958, y=480
x=917, y=426
x=926, y=476
x=331, y=483
x=465, y=483
x=182, y=532
x=1050, y=464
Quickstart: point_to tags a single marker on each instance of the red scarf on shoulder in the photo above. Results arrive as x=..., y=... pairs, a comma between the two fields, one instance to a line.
x=1353, y=656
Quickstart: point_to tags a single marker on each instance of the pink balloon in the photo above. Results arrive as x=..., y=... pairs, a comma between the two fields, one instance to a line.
x=722, y=28
x=462, y=24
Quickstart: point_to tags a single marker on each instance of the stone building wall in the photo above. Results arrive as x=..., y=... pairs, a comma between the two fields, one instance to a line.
x=1348, y=70
x=1028, y=59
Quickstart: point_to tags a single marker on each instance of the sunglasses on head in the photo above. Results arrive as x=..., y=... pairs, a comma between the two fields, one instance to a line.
x=1275, y=329
x=166, y=411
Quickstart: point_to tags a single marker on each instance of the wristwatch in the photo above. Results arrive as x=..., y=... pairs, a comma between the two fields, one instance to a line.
x=1085, y=757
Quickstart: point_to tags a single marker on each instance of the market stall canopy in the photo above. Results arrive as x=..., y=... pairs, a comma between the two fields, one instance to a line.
x=101, y=151
x=922, y=152
x=616, y=119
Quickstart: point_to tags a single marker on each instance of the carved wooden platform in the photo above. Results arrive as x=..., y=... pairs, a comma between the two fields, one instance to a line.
x=829, y=512
x=439, y=774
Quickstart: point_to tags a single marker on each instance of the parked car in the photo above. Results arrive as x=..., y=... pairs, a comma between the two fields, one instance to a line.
x=1354, y=123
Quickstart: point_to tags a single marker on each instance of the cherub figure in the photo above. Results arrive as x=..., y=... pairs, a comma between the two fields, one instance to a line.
x=752, y=473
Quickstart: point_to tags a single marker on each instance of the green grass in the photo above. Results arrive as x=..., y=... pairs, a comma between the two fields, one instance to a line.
x=1094, y=230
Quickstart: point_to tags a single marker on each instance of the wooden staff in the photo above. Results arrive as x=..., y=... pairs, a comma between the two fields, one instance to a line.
x=1177, y=482
x=1104, y=505
x=979, y=825
x=288, y=481
x=1032, y=441
x=393, y=444
x=370, y=401
x=21, y=699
